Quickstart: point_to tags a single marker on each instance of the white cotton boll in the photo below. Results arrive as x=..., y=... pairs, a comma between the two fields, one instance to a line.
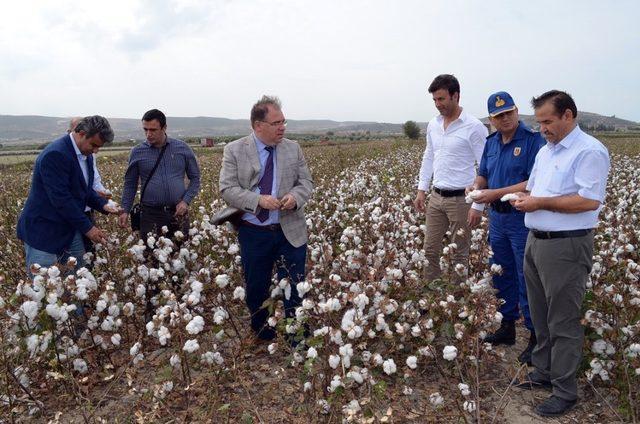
x=389, y=366
x=196, y=286
x=464, y=389
x=496, y=269
x=436, y=399
x=509, y=197
x=335, y=383
x=163, y=335
x=361, y=301
x=239, y=293
x=303, y=288
x=272, y=348
x=140, y=290
x=30, y=309
x=307, y=386
x=272, y=321
x=287, y=292
x=107, y=324
x=58, y=313
x=191, y=346
x=355, y=376
x=412, y=362
x=469, y=405
x=175, y=360
x=138, y=358
x=233, y=249
x=135, y=349
x=115, y=339
x=449, y=353
x=101, y=305
x=196, y=325
x=334, y=361
x=32, y=344
x=80, y=365
x=222, y=280
x=150, y=326
x=220, y=315
x=164, y=229
x=312, y=353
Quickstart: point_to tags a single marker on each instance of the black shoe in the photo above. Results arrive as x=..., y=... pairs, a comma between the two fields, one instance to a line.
x=506, y=334
x=554, y=406
x=534, y=381
x=525, y=356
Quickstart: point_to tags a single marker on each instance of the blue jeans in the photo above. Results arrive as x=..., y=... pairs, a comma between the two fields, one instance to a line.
x=261, y=250
x=508, y=237
x=46, y=259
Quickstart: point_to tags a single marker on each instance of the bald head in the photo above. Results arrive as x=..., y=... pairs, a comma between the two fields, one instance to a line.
x=74, y=123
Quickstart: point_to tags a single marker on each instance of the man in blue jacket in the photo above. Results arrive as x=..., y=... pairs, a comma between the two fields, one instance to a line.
x=506, y=163
x=53, y=221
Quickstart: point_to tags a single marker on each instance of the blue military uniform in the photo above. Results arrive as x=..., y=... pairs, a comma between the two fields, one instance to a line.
x=503, y=165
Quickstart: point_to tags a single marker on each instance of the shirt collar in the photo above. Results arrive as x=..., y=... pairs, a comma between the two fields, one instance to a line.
x=149, y=144
x=75, y=147
x=462, y=117
x=570, y=138
x=259, y=143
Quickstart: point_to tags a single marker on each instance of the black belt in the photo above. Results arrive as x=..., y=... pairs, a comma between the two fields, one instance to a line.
x=160, y=208
x=502, y=207
x=269, y=227
x=449, y=193
x=545, y=235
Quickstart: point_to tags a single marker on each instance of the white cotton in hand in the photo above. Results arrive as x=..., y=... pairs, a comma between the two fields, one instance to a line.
x=471, y=196
x=111, y=204
x=509, y=196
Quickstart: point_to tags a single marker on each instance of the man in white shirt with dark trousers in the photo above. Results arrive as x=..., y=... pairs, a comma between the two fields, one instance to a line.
x=455, y=141
x=565, y=192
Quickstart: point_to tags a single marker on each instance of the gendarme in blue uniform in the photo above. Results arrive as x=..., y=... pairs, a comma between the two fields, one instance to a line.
x=503, y=165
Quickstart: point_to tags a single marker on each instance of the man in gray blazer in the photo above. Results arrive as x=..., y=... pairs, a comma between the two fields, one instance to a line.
x=266, y=182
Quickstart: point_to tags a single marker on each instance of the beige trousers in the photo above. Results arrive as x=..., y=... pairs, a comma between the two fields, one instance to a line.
x=446, y=214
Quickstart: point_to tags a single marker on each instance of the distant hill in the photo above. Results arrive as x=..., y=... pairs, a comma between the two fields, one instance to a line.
x=589, y=121
x=30, y=129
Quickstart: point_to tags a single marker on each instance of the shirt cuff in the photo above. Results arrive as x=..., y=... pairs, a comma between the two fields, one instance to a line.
x=423, y=185
x=477, y=206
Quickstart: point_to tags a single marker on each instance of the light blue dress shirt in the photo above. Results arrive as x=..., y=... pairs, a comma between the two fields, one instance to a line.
x=578, y=164
x=263, y=154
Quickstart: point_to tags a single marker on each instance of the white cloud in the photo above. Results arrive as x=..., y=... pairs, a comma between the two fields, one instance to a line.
x=343, y=60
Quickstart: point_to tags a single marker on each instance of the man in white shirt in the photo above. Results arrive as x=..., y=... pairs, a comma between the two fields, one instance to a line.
x=98, y=187
x=566, y=190
x=455, y=141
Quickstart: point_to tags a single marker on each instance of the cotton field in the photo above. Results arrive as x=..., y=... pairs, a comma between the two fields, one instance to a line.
x=384, y=347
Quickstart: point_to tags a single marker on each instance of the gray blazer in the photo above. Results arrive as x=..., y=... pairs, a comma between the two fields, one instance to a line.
x=240, y=176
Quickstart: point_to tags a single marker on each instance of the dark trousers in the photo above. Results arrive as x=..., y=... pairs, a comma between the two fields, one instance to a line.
x=261, y=250
x=508, y=237
x=153, y=218
x=556, y=271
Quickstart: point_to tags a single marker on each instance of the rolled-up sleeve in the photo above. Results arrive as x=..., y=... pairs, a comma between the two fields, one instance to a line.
x=592, y=168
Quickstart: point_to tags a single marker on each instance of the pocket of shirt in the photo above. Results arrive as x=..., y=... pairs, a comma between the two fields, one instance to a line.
x=557, y=183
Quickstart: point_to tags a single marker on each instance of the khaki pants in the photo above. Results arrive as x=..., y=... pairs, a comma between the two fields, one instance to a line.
x=446, y=214
x=556, y=273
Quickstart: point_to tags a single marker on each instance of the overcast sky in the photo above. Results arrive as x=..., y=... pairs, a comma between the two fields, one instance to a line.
x=366, y=60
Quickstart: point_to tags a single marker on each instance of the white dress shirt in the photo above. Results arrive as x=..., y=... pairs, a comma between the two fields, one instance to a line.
x=82, y=160
x=578, y=164
x=451, y=155
x=263, y=155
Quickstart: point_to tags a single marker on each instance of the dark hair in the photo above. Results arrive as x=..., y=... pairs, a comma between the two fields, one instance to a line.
x=560, y=100
x=260, y=109
x=446, y=81
x=96, y=124
x=152, y=114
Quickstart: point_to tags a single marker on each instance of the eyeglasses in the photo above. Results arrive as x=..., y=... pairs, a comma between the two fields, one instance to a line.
x=277, y=123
